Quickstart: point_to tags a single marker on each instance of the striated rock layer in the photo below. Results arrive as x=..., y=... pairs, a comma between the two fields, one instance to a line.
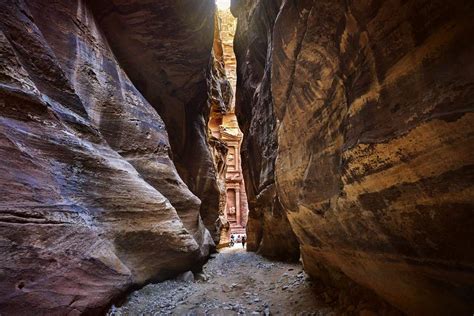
x=359, y=133
x=90, y=201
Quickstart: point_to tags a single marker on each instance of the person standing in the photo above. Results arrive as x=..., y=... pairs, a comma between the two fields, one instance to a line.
x=243, y=241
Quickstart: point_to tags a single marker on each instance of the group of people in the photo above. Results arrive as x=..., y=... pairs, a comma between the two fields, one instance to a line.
x=237, y=239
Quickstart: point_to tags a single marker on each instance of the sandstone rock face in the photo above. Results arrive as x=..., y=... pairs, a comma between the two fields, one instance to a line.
x=220, y=103
x=268, y=229
x=165, y=48
x=358, y=118
x=91, y=202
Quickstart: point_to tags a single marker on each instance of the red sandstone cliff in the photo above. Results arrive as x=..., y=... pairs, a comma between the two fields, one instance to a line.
x=359, y=138
x=91, y=201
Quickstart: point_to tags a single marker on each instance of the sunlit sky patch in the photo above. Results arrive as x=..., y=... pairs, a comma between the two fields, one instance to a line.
x=223, y=4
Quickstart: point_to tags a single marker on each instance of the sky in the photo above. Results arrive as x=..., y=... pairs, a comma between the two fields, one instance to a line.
x=223, y=4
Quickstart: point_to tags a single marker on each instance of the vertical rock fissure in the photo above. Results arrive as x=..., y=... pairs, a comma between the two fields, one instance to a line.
x=225, y=131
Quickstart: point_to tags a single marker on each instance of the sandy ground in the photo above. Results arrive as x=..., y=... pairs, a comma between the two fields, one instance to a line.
x=234, y=282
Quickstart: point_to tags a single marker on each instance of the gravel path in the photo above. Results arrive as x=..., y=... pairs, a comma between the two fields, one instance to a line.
x=234, y=282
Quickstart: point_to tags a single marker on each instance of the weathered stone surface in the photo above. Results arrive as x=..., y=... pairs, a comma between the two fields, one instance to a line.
x=220, y=99
x=362, y=112
x=268, y=229
x=90, y=201
x=164, y=47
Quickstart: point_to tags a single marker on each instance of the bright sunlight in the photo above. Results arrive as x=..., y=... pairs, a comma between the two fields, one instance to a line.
x=223, y=4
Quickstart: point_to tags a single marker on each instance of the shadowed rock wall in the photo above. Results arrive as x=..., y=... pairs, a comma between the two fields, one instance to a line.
x=165, y=49
x=268, y=229
x=90, y=200
x=360, y=112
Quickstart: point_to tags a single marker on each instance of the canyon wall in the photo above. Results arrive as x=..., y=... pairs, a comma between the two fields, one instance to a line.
x=164, y=48
x=268, y=229
x=91, y=200
x=359, y=137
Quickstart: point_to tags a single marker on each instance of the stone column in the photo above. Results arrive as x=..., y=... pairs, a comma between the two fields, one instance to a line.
x=237, y=158
x=237, y=206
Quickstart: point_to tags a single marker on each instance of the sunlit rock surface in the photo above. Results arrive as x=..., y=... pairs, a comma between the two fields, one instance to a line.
x=220, y=103
x=359, y=129
x=90, y=200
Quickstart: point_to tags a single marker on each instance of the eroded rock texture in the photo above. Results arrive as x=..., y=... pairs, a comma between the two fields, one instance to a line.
x=268, y=229
x=362, y=112
x=165, y=49
x=90, y=200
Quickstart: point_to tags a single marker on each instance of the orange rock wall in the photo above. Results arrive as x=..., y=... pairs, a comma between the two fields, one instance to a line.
x=359, y=114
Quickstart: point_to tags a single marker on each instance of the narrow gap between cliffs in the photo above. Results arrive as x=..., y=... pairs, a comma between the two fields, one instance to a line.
x=224, y=130
x=233, y=281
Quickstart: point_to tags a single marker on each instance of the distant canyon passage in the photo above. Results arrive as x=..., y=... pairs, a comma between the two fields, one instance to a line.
x=121, y=124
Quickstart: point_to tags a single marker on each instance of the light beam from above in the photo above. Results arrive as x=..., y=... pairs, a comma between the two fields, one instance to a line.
x=223, y=4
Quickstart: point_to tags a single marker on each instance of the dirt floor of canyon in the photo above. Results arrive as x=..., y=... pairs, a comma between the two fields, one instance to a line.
x=238, y=282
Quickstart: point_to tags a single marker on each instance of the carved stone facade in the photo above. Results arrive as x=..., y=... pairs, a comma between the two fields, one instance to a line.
x=226, y=129
x=236, y=206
